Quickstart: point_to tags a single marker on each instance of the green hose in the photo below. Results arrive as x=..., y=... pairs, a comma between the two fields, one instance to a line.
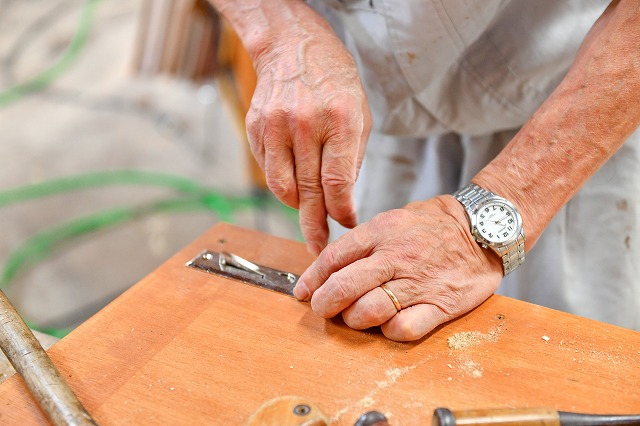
x=46, y=77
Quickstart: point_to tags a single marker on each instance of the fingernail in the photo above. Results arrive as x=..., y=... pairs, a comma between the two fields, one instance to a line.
x=301, y=291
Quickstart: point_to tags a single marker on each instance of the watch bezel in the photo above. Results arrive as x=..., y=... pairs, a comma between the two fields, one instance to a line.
x=474, y=219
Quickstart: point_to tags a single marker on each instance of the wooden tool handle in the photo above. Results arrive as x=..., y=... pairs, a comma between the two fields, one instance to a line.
x=42, y=377
x=501, y=416
x=528, y=416
x=288, y=411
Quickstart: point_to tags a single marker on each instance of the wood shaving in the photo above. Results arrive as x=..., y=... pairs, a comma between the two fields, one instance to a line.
x=467, y=339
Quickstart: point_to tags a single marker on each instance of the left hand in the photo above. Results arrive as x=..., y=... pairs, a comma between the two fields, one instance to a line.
x=308, y=125
x=424, y=253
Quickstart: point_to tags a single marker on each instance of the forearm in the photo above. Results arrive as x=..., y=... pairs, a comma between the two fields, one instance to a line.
x=261, y=24
x=309, y=120
x=580, y=126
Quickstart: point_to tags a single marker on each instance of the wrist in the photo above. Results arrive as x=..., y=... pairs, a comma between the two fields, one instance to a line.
x=523, y=194
x=452, y=208
x=270, y=27
x=495, y=223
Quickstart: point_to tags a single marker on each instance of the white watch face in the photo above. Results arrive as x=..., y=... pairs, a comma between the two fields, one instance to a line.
x=497, y=222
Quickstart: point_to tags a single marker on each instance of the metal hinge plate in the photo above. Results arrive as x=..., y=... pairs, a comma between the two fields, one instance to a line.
x=229, y=265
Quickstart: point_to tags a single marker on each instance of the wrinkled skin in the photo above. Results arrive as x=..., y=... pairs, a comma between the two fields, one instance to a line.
x=426, y=256
x=308, y=125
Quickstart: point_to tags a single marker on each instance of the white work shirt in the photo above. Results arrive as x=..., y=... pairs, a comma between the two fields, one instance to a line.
x=449, y=83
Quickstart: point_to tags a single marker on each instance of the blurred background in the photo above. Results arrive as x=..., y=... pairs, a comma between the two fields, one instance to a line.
x=121, y=140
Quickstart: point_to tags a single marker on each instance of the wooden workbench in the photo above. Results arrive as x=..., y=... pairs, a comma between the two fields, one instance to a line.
x=186, y=347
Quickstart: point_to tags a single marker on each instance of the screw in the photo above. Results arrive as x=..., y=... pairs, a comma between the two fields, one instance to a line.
x=301, y=410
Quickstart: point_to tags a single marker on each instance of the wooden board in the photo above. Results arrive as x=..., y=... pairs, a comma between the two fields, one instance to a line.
x=185, y=347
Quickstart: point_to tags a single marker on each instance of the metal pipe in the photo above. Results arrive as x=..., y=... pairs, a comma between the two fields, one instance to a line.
x=41, y=376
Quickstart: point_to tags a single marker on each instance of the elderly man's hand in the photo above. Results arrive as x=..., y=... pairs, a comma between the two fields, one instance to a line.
x=308, y=125
x=425, y=255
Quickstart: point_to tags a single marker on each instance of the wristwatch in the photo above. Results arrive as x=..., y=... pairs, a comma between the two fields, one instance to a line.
x=495, y=224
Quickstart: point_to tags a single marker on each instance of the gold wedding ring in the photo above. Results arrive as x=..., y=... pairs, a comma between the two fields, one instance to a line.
x=392, y=296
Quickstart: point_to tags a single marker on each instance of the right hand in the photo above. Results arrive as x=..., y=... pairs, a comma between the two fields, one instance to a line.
x=424, y=253
x=308, y=125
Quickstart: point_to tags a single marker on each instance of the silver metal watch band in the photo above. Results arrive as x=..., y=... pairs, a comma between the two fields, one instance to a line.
x=472, y=196
x=512, y=254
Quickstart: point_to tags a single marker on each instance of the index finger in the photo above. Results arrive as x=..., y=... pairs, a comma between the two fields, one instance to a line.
x=352, y=246
x=348, y=284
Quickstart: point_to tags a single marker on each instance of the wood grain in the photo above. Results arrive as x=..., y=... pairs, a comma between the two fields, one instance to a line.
x=185, y=347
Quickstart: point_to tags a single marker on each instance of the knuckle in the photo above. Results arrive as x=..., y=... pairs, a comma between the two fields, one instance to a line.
x=342, y=112
x=385, y=267
x=309, y=185
x=412, y=290
x=408, y=331
x=413, y=254
x=330, y=256
x=280, y=186
x=254, y=128
x=339, y=114
x=336, y=292
x=341, y=286
x=389, y=218
x=252, y=118
x=337, y=179
x=303, y=117
x=448, y=300
x=311, y=216
x=273, y=119
x=342, y=106
x=341, y=290
x=370, y=315
x=448, y=306
x=315, y=232
x=357, y=321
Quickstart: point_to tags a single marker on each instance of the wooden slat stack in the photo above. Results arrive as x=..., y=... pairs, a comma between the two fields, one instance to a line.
x=188, y=39
x=177, y=37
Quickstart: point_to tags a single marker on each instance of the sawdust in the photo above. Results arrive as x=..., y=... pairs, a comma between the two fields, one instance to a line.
x=393, y=374
x=467, y=339
x=366, y=402
x=471, y=368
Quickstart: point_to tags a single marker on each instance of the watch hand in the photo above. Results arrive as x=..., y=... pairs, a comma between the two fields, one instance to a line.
x=500, y=220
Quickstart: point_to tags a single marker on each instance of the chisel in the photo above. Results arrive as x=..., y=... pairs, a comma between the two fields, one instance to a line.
x=527, y=416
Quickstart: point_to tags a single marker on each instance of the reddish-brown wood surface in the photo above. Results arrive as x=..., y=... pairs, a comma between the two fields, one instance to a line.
x=185, y=347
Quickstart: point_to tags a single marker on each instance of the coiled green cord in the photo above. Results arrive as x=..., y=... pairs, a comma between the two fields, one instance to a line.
x=194, y=197
x=46, y=77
